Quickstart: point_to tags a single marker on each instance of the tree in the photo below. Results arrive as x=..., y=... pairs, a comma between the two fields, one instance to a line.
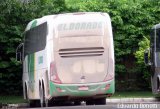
x=15, y=16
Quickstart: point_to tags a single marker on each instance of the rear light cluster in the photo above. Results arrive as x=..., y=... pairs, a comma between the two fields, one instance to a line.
x=53, y=74
x=110, y=74
x=108, y=77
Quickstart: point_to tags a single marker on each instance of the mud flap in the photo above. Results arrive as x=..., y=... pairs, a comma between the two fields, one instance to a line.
x=159, y=77
x=158, y=82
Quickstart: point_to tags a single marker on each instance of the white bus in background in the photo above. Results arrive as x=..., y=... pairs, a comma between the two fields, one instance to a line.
x=154, y=59
x=68, y=57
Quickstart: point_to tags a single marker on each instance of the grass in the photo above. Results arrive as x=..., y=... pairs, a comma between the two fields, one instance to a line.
x=135, y=94
x=12, y=99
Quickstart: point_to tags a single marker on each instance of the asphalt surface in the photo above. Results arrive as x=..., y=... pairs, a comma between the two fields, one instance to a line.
x=82, y=107
x=152, y=105
x=120, y=103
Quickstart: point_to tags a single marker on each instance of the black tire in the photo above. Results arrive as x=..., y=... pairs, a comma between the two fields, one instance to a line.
x=77, y=102
x=42, y=97
x=34, y=103
x=100, y=101
x=31, y=102
x=90, y=102
x=158, y=84
x=0, y=105
x=26, y=92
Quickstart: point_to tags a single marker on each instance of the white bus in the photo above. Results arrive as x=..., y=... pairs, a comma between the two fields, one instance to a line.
x=154, y=60
x=68, y=57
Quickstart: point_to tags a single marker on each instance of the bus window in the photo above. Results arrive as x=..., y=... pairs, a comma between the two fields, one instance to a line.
x=158, y=39
x=35, y=39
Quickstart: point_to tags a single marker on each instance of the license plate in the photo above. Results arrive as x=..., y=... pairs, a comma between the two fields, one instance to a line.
x=83, y=88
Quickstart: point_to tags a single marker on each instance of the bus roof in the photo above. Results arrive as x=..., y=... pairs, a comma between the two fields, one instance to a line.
x=156, y=26
x=43, y=19
x=38, y=21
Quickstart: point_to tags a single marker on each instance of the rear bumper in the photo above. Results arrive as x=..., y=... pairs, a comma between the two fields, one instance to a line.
x=71, y=90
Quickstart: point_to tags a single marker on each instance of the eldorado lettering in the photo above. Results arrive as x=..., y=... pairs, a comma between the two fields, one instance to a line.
x=80, y=26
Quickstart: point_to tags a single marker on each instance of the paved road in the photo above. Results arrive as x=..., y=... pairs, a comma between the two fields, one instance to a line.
x=124, y=103
x=82, y=107
x=138, y=105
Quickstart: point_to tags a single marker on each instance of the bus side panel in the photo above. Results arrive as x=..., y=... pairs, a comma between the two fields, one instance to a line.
x=40, y=70
x=155, y=81
x=35, y=63
x=36, y=66
x=25, y=77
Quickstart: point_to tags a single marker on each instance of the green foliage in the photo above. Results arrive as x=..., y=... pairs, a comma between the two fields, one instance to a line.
x=143, y=45
x=12, y=99
x=15, y=16
x=139, y=54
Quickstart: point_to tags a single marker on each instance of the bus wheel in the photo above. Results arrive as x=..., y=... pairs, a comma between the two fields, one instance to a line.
x=34, y=103
x=26, y=92
x=77, y=102
x=100, y=101
x=90, y=102
x=42, y=96
x=158, y=85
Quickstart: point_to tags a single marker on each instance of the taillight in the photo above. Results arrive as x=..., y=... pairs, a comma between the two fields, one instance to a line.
x=108, y=77
x=110, y=74
x=53, y=74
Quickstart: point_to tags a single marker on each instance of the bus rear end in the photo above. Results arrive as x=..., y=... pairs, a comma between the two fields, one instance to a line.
x=84, y=57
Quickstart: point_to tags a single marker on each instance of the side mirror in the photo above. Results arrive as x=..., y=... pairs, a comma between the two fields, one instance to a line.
x=18, y=56
x=19, y=52
x=146, y=57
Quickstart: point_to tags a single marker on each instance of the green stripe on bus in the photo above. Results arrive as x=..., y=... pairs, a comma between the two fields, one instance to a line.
x=31, y=62
x=74, y=90
x=34, y=24
x=31, y=70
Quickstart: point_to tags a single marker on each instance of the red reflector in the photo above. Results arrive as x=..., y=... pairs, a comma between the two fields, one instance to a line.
x=53, y=74
x=55, y=79
x=107, y=87
x=59, y=89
